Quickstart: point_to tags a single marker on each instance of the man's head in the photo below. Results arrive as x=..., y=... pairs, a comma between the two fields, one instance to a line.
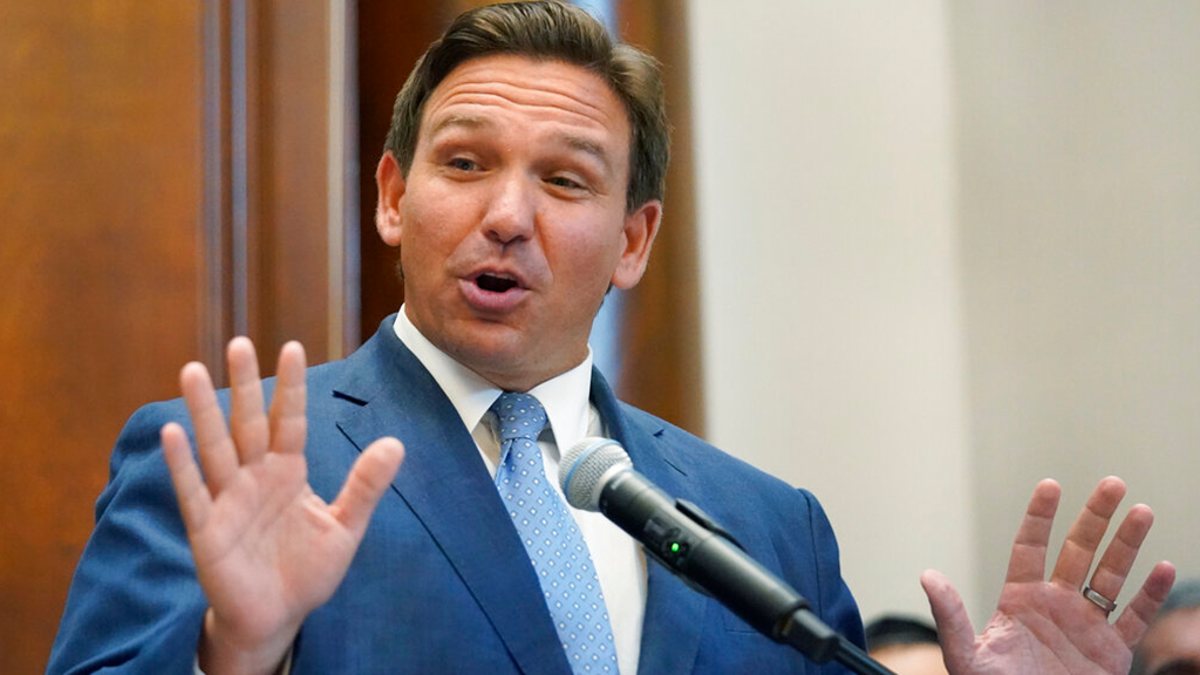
x=521, y=181
x=907, y=646
x=553, y=31
x=1171, y=645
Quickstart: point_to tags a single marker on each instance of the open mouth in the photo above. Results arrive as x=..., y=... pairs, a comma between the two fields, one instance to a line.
x=495, y=283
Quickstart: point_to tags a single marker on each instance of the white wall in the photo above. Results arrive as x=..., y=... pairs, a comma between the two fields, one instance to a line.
x=832, y=328
x=1080, y=220
x=950, y=248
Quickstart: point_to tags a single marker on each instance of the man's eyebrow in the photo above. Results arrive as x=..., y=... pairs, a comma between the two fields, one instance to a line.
x=573, y=141
x=588, y=146
x=465, y=121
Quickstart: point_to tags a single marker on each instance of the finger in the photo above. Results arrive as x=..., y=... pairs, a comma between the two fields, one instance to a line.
x=1118, y=558
x=1027, y=563
x=955, y=632
x=247, y=421
x=218, y=457
x=288, y=422
x=1136, y=617
x=368, y=480
x=1085, y=534
x=193, y=496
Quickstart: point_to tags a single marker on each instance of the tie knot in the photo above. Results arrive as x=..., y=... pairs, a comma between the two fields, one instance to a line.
x=518, y=416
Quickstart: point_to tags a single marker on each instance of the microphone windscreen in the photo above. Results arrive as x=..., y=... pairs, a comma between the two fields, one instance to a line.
x=585, y=468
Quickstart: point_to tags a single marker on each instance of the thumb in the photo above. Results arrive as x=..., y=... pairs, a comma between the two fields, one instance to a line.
x=955, y=631
x=369, y=478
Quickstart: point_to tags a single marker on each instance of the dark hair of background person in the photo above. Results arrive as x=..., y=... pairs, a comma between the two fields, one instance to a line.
x=1179, y=667
x=891, y=630
x=546, y=29
x=1184, y=596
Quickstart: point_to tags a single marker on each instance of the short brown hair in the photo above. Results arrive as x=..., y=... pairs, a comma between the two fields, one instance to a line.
x=546, y=29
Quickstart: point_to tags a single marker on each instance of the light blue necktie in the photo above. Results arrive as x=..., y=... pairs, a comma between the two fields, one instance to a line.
x=551, y=537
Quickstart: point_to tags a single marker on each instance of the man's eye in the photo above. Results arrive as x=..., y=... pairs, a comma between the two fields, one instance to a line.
x=463, y=164
x=564, y=182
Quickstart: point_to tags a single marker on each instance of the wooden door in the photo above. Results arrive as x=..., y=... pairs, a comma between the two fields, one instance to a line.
x=171, y=174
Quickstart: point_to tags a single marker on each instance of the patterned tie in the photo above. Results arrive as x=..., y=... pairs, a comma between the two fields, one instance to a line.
x=551, y=537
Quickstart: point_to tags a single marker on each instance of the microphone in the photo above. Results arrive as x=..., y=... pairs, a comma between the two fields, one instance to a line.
x=596, y=474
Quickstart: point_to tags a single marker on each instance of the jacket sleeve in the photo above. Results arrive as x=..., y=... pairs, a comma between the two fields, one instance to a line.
x=135, y=605
x=834, y=603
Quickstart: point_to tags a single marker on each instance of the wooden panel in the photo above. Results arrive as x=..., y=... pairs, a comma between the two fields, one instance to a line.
x=174, y=173
x=280, y=176
x=391, y=36
x=296, y=283
x=290, y=262
x=100, y=191
x=660, y=326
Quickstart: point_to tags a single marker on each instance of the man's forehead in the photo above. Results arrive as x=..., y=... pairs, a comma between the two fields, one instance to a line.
x=549, y=87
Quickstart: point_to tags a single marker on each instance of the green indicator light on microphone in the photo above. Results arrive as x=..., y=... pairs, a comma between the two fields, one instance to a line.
x=675, y=547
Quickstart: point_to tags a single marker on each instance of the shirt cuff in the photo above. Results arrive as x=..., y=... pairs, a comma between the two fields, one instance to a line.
x=283, y=670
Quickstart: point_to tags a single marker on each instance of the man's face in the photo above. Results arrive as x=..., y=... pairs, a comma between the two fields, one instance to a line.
x=512, y=220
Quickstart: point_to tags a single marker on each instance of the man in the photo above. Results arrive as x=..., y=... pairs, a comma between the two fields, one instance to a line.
x=522, y=178
x=906, y=645
x=1171, y=645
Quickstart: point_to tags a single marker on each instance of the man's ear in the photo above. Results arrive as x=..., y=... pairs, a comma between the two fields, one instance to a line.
x=390, y=183
x=641, y=227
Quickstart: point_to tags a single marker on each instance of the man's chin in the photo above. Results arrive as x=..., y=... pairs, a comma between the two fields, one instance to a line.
x=497, y=357
x=510, y=365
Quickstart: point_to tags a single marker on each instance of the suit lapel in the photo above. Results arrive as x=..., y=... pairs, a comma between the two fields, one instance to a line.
x=675, y=614
x=447, y=486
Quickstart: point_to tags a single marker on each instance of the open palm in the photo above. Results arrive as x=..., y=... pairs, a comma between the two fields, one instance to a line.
x=267, y=549
x=1049, y=627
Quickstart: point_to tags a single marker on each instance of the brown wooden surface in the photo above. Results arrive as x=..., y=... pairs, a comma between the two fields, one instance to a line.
x=660, y=326
x=290, y=82
x=268, y=182
x=100, y=177
x=121, y=184
x=391, y=36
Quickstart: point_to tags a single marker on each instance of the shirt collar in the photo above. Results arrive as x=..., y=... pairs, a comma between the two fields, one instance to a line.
x=565, y=396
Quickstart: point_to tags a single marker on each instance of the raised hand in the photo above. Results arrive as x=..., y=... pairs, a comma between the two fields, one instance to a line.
x=267, y=549
x=1049, y=626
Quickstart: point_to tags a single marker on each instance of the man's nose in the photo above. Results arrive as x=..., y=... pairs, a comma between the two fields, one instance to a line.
x=512, y=209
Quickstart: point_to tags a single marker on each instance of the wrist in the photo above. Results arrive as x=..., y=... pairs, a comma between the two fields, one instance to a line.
x=226, y=651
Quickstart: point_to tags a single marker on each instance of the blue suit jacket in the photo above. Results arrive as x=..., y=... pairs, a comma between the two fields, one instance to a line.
x=441, y=582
